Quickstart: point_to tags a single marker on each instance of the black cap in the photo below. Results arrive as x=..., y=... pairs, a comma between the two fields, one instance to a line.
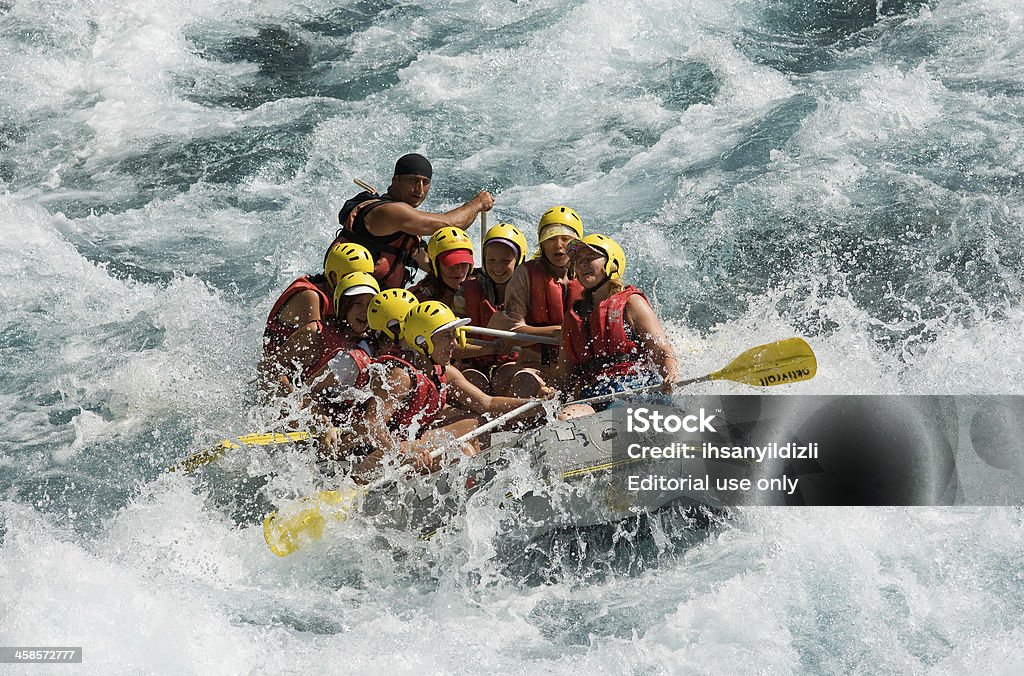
x=415, y=164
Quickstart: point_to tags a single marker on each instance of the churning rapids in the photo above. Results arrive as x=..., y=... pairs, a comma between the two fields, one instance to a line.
x=845, y=170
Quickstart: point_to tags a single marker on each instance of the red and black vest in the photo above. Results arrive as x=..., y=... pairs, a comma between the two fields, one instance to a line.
x=392, y=254
x=548, y=300
x=424, y=403
x=276, y=331
x=600, y=345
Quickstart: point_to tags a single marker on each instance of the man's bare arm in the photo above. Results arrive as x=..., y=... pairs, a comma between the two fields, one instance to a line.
x=395, y=217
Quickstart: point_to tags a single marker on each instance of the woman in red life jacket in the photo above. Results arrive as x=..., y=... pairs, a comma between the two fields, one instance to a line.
x=536, y=298
x=406, y=414
x=483, y=295
x=611, y=338
x=300, y=312
x=451, y=261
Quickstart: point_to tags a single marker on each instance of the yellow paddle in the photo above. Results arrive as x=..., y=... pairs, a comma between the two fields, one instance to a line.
x=197, y=460
x=785, y=361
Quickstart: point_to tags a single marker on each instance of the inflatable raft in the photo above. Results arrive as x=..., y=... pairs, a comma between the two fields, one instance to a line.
x=868, y=450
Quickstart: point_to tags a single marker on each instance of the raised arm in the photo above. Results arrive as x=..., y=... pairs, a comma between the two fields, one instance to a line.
x=395, y=217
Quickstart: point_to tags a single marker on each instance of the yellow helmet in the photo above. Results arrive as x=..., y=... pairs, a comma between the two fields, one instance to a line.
x=354, y=284
x=449, y=239
x=509, y=233
x=388, y=310
x=426, y=319
x=346, y=257
x=615, y=265
x=563, y=216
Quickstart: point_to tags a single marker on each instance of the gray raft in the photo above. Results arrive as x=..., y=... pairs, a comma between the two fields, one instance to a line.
x=907, y=450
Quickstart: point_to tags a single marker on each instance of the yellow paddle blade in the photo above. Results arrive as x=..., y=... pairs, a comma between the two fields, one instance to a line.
x=786, y=361
x=197, y=460
x=271, y=438
x=304, y=521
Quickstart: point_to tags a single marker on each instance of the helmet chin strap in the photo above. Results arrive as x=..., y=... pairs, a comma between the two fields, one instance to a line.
x=607, y=278
x=429, y=356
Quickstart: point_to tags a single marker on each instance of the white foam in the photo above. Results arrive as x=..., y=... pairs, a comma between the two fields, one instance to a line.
x=555, y=104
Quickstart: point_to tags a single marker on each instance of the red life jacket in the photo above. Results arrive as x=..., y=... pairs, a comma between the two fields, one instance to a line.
x=334, y=343
x=276, y=332
x=392, y=254
x=424, y=403
x=338, y=409
x=600, y=346
x=479, y=302
x=548, y=300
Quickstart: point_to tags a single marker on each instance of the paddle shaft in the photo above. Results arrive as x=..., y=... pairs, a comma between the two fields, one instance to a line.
x=600, y=399
x=197, y=460
x=794, y=350
x=514, y=335
x=468, y=436
x=365, y=186
x=483, y=234
x=488, y=426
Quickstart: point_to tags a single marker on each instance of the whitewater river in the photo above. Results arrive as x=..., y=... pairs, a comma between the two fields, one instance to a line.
x=845, y=170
